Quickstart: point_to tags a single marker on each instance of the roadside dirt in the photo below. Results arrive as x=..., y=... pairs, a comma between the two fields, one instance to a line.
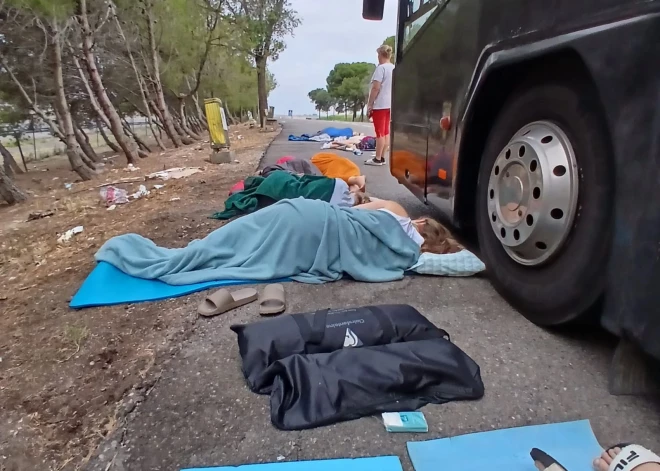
x=63, y=373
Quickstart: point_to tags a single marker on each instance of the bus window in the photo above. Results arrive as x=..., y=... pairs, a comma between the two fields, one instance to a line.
x=419, y=12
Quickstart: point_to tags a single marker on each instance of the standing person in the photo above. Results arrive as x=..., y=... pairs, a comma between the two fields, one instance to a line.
x=380, y=102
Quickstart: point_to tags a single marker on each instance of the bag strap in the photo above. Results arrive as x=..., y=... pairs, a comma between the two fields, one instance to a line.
x=316, y=332
x=384, y=321
x=631, y=457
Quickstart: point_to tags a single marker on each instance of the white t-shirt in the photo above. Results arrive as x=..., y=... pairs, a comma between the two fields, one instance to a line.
x=407, y=226
x=383, y=74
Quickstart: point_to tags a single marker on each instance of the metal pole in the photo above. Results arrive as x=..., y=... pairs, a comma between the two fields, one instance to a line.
x=34, y=142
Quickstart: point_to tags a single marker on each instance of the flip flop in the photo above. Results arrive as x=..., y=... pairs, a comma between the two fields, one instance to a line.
x=272, y=300
x=223, y=301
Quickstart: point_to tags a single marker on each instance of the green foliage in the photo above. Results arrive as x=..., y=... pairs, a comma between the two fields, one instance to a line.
x=265, y=24
x=348, y=84
x=391, y=41
x=321, y=99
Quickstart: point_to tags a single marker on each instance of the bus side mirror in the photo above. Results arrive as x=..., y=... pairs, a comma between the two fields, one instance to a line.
x=373, y=9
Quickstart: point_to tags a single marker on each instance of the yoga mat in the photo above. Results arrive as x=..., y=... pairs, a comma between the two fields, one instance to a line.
x=572, y=444
x=108, y=286
x=380, y=463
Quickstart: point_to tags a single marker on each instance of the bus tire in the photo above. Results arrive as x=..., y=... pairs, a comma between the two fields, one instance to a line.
x=564, y=287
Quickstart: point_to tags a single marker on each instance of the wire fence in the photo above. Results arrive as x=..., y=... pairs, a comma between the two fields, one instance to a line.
x=41, y=144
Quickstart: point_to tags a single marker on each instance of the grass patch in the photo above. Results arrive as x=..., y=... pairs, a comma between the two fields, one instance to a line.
x=341, y=117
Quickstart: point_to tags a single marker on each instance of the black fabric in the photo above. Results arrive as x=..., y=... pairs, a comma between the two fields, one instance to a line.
x=262, y=344
x=314, y=390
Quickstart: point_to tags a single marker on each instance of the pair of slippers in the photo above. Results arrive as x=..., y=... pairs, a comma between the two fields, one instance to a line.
x=271, y=301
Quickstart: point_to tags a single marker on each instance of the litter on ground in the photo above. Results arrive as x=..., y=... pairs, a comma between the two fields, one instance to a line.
x=174, y=173
x=69, y=234
x=142, y=191
x=112, y=195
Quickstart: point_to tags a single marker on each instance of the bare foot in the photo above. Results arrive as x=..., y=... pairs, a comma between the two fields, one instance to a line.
x=602, y=463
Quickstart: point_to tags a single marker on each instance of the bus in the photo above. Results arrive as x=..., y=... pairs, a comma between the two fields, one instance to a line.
x=533, y=126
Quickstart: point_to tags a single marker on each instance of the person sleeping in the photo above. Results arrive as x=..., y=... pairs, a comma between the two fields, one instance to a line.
x=309, y=241
x=259, y=192
x=426, y=232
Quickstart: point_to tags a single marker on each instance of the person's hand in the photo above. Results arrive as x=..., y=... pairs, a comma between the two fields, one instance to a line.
x=370, y=111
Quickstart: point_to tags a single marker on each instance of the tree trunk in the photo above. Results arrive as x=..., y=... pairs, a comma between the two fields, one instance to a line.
x=200, y=113
x=184, y=138
x=8, y=191
x=65, y=122
x=165, y=116
x=139, y=78
x=184, y=123
x=41, y=113
x=141, y=144
x=97, y=84
x=194, y=125
x=11, y=167
x=20, y=150
x=108, y=142
x=84, y=144
x=362, y=114
x=262, y=89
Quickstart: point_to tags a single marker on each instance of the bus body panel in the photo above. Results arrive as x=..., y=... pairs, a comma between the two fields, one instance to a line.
x=619, y=42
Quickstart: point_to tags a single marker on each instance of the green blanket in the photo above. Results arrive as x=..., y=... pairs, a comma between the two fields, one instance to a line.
x=260, y=192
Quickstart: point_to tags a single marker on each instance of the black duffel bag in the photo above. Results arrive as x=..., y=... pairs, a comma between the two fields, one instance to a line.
x=263, y=343
x=314, y=390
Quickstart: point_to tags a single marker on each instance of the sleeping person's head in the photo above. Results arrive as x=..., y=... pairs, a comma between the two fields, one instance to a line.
x=360, y=198
x=437, y=238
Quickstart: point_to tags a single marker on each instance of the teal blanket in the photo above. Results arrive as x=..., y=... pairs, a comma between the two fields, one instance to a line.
x=310, y=241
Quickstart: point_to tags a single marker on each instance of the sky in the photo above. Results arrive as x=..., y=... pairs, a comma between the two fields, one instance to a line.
x=331, y=31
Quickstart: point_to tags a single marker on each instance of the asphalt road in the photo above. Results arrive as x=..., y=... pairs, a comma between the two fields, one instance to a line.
x=201, y=414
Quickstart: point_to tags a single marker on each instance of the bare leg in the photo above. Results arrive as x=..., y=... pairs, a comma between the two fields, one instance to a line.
x=381, y=144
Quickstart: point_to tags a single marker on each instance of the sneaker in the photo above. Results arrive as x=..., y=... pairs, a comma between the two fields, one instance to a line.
x=374, y=162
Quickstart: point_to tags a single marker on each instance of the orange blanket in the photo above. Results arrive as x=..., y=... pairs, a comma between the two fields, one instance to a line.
x=334, y=166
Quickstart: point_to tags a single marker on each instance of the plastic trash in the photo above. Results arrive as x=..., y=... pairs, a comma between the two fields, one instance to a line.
x=113, y=195
x=357, y=152
x=405, y=422
x=142, y=191
x=69, y=234
x=68, y=186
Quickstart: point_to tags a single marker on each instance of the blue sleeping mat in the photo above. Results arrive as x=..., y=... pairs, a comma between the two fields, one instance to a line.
x=107, y=286
x=380, y=463
x=572, y=444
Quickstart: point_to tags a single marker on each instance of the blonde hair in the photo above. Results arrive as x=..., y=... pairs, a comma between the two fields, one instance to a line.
x=385, y=51
x=437, y=238
x=361, y=198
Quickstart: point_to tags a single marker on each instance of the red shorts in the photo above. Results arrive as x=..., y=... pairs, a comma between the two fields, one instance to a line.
x=381, y=122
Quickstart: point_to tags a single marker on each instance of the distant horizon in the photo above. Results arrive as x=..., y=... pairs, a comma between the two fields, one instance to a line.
x=326, y=36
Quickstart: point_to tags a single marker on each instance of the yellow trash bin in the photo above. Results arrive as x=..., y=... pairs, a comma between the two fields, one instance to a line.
x=218, y=127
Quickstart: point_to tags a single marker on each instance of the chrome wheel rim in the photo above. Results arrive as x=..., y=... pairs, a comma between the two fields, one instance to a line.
x=533, y=193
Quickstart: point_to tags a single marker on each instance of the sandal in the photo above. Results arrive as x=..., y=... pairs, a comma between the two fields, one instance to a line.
x=631, y=456
x=272, y=300
x=223, y=301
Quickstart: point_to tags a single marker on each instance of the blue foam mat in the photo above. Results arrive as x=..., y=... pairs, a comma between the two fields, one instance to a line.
x=572, y=444
x=380, y=463
x=108, y=286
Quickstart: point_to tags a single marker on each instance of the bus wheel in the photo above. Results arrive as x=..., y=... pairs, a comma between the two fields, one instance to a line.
x=545, y=201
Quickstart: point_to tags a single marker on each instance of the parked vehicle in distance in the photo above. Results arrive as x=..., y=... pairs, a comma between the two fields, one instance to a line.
x=535, y=126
